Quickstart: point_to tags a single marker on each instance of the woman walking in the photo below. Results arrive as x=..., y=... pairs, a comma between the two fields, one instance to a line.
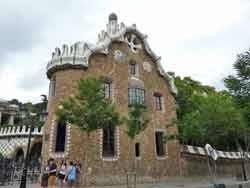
x=62, y=173
x=71, y=175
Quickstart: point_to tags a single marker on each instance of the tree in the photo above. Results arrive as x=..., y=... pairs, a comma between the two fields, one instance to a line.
x=239, y=84
x=136, y=123
x=88, y=110
x=187, y=89
x=215, y=121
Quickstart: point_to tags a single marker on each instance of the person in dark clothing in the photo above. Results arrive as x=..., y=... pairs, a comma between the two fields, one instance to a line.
x=52, y=173
x=45, y=176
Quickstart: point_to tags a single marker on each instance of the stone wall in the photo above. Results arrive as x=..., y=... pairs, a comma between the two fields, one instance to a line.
x=197, y=165
x=105, y=66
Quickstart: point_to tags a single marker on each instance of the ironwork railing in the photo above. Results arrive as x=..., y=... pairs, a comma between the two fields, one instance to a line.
x=11, y=172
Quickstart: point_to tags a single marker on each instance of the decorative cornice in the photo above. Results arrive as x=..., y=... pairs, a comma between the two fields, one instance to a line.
x=78, y=54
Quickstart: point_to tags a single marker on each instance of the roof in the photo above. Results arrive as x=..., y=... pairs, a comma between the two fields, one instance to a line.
x=77, y=55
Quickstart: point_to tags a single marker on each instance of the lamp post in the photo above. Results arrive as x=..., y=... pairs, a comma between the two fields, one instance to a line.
x=31, y=121
x=25, y=169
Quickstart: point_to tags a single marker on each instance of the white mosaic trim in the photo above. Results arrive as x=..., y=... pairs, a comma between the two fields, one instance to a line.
x=221, y=154
x=52, y=130
x=9, y=145
x=52, y=153
x=68, y=139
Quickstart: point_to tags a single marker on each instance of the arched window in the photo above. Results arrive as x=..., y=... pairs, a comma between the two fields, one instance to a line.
x=136, y=92
x=108, y=142
x=136, y=95
x=60, y=136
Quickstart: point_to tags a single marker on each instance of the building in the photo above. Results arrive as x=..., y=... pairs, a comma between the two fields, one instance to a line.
x=14, y=135
x=129, y=68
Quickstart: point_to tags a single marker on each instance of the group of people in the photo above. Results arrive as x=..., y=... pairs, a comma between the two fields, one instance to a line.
x=65, y=174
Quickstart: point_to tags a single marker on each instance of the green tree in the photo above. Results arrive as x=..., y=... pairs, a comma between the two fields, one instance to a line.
x=188, y=89
x=88, y=110
x=136, y=123
x=216, y=121
x=239, y=84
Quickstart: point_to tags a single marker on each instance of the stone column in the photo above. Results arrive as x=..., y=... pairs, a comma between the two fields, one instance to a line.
x=11, y=120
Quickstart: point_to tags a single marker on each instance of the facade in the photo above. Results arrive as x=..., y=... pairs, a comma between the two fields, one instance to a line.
x=14, y=137
x=130, y=71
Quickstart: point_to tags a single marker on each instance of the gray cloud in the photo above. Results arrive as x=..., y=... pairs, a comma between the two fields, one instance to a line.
x=32, y=81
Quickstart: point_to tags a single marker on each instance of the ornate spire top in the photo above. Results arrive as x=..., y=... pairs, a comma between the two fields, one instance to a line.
x=113, y=17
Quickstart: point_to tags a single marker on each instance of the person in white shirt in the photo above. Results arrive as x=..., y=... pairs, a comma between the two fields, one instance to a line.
x=61, y=174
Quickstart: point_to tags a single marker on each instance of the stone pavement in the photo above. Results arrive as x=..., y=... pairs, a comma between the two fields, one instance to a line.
x=170, y=183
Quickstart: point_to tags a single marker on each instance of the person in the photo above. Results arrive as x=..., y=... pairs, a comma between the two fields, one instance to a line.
x=45, y=176
x=71, y=175
x=62, y=173
x=52, y=173
x=78, y=167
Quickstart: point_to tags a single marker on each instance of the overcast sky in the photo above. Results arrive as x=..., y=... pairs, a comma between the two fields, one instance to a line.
x=197, y=38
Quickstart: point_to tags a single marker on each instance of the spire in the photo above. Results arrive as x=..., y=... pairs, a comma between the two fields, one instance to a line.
x=112, y=26
x=113, y=17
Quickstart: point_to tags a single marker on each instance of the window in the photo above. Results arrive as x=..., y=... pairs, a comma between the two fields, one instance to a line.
x=158, y=102
x=108, y=142
x=137, y=150
x=52, y=87
x=107, y=87
x=132, y=69
x=136, y=95
x=160, y=151
x=60, y=137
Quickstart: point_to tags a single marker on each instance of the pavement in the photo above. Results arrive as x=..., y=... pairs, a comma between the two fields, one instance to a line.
x=169, y=183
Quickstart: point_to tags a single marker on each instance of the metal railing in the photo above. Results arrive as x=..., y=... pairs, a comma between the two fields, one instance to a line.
x=11, y=172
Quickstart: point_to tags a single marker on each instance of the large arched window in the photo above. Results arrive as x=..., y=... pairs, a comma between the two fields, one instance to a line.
x=136, y=92
x=60, y=136
x=136, y=95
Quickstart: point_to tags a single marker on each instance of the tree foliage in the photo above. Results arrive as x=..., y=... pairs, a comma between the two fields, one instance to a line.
x=136, y=121
x=216, y=121
x=205, y=115
x=88, y=109
x=239, y=84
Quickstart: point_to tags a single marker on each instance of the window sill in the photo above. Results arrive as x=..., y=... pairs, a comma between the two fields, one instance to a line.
x=109, y=159
x=137, y=158
x=162, y=157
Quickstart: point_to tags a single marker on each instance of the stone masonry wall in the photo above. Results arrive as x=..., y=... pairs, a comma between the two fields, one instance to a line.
x=196, y=165
x=105, y=66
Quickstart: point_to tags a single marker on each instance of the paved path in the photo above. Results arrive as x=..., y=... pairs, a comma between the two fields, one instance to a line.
x=171, y=183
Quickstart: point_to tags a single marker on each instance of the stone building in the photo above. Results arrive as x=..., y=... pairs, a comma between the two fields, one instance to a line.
x=130, y=70
x=14, y=137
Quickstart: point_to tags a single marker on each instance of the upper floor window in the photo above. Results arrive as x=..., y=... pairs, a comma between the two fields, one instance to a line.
x=159, y=144
x=108, y=141
x=133, y=68
x=52, y=87
x=107, y=89
x=158, y=102
x=136, y=95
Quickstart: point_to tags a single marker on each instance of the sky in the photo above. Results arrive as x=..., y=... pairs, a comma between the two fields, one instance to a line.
x=197, y=38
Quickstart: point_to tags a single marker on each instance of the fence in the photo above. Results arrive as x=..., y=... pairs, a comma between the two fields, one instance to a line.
x=11, y=172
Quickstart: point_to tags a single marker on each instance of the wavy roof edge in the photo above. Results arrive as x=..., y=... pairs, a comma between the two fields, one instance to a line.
x=78, y=54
